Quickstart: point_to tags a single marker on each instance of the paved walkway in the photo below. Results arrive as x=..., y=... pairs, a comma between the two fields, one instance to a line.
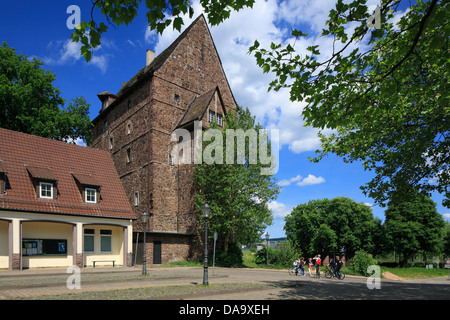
x=274, y=284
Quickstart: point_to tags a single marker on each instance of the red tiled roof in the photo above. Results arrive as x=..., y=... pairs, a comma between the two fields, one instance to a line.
x=28, y=157
x=86, y=179
x=2, y=166
x=41, y=173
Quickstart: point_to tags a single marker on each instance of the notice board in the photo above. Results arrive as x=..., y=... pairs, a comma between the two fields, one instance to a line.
x=31, y=247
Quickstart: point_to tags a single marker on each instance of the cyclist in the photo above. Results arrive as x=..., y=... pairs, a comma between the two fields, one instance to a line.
x=338, y=265
x=333, y=265
x=297, y=265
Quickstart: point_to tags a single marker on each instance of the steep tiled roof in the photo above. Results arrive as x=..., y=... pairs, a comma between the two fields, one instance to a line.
x=29, y=157
x=158, y=61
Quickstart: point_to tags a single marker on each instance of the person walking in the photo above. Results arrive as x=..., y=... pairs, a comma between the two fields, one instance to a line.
x=317, y=265
x=310, y=266
x=302, y=266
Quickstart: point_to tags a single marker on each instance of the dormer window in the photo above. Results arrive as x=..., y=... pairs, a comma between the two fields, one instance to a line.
x=44, y=181
x=90, y=195
x=45, y=190
x=89, y=187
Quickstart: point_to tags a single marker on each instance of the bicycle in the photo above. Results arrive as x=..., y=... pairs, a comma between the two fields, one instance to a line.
x=330, y=274
x=293, y=270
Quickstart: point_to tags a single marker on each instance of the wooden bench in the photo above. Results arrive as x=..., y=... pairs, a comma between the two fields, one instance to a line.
x=113, y=262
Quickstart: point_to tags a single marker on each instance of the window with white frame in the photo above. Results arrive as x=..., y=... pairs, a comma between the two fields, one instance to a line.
x=89, y=240
x=219, y=119
x=90, y=195
x=105, y=240
x=211, y=116
x=45, y=190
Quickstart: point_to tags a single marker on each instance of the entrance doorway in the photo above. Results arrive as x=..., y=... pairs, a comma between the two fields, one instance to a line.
x=157, y=252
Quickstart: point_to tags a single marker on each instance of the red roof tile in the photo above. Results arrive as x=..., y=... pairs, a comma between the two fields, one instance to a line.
x=28, y=156
x=41, y=173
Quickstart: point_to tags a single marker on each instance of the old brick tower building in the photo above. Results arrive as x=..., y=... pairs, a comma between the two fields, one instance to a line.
x=184, y=83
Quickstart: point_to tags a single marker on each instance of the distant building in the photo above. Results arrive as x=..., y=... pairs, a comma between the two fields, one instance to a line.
x=60, y=205
x=183, y=84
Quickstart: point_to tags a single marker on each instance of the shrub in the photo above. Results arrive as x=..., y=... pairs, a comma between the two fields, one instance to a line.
x=232, y=259
x=361, y=262
x=281, y=257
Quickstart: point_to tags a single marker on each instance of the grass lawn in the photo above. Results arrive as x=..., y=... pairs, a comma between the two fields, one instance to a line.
x=417, y=273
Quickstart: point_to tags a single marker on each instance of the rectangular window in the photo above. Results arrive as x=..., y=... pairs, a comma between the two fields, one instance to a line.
x=211, y=116
x=89, y=236
x=46, y=190
x=105, y=240
x=219, y=119
x=136, y=199
x=128, y=155
x=90, y=195
x=171, y=160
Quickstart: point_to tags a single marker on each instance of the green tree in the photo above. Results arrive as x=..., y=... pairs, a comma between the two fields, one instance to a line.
x=123, y=12
x=414, y=226
x=384, y=92
x=237, y=193
x=447, y=239
x=331, y=226
x=30, y=103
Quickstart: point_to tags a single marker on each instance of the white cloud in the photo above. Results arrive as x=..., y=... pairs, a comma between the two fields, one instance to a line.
x=285, y=183
x=68, y=52
x=279, y=210
x=446, y=215
x=310, y=180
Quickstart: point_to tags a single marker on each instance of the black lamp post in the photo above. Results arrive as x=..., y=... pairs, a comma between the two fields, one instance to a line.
x=206, y=210
x=144, y=219
x=267, y=253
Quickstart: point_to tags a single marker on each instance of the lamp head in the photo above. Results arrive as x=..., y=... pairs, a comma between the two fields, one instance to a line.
x=144, y=218
x=206, y=210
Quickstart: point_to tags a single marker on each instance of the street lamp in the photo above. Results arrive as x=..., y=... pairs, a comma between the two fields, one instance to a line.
x=206, y=210
x=144, y=220
x=267, y=253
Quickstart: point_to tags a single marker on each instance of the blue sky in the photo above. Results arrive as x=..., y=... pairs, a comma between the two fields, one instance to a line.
x=38, y=29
